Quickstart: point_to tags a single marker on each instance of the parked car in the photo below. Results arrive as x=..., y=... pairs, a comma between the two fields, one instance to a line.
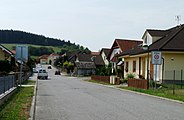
x=49, y=67
x=57, y=72
x=35, y=70
x=42, y=74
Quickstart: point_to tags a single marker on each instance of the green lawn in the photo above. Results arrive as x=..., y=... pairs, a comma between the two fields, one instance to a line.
x=162, y=92
x=18, y=106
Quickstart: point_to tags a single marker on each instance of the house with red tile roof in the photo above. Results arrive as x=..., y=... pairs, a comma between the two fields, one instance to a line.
x=170, y=43
x=119, y=46
x=52, y=58
x=43, y=59
x=7, y=55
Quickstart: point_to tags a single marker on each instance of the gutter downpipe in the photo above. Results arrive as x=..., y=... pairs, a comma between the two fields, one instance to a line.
x=163, y=65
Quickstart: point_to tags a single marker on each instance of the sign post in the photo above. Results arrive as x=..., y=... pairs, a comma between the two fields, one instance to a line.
x=21, y=56
x=156, y=60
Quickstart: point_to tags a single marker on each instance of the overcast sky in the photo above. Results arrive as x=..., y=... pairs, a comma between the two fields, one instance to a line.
x=91, y=23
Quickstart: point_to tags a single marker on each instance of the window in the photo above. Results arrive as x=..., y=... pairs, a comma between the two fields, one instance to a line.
x=126, y=68
x=146, y=40
x=134, y=66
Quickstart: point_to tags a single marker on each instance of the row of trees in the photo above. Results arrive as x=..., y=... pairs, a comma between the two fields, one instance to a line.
x=20, y=37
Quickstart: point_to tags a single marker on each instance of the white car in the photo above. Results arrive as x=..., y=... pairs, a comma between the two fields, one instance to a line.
x=42, y=74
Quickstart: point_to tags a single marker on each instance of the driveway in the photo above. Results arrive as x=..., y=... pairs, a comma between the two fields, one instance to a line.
x=70, y=98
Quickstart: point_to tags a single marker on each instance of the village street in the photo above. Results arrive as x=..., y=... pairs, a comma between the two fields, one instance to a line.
x=69, y=98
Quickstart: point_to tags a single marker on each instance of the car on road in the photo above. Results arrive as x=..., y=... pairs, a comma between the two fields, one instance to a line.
x=57, y=72
x=35, y=70
x=42, y=74
x=49, y=67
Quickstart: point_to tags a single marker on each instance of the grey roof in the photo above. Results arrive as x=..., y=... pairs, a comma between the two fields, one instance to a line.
x=159, y=33
x=90, y=58
x=106, y=51
x=172, y=41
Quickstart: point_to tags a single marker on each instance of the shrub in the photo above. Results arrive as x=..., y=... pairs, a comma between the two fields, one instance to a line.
x=130, y=75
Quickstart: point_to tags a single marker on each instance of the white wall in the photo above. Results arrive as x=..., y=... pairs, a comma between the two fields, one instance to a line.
x=115, y=51
x=130, y=66
x=148, y=37
x=104, y=57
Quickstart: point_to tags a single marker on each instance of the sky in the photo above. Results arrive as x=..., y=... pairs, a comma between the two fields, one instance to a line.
x=91, y=23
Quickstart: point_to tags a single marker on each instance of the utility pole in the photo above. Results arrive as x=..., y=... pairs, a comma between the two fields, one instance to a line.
x=178, y=19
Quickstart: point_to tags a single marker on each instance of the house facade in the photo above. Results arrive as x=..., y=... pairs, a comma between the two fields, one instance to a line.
x=170, y=43
x=85, y=64
x=52, y=58
x=119, y=46
x=104, y=54
x=43, y=59
x=5, y=54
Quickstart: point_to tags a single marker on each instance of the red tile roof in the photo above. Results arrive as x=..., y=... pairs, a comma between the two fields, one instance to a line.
x=43, y=57
x=95, y=53
x=124, y=44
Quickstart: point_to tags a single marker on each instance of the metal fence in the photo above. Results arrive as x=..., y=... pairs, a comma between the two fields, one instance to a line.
x=174, y=80
x=7, y=83
x=173, y=77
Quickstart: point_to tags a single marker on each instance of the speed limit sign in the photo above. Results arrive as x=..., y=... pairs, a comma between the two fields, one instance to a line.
x=156, y=57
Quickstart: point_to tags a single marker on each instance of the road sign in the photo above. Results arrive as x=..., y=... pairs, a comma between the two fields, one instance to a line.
x=22, y=52
x=156, y=57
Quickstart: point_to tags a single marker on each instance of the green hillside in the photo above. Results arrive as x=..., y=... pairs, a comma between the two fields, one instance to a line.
x=56, y=49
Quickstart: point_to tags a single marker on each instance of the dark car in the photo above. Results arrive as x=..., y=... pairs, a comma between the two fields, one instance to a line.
x=49, y=67
x=57, y=72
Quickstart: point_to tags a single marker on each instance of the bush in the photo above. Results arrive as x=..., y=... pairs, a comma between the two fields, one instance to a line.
x=130, y=75
x=103, y=71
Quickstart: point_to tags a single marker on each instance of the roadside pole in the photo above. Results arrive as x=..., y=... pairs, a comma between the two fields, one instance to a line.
x=21, y=55
x=156, y=77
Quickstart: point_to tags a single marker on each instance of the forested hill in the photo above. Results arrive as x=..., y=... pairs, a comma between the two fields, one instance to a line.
x=20, y=37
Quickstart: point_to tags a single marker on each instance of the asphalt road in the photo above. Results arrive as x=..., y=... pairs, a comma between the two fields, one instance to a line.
x=70, y=98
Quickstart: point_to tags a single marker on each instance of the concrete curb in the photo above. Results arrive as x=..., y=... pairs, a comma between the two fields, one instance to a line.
x=33, y=104
x=117, y=87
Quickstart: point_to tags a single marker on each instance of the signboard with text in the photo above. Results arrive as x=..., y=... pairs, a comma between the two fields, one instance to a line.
x=156, y=57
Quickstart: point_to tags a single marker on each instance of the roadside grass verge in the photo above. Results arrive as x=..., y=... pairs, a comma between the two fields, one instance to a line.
x=18, y=105
x=161, y=92
x=29, y=82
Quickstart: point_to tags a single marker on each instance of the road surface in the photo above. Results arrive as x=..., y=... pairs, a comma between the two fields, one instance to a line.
x=70, y=98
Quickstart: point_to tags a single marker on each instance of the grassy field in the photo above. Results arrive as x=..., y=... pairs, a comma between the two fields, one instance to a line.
x=18, y=106
x=56, y=49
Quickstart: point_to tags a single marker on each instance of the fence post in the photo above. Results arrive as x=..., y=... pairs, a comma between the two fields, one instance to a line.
x=181, y=78
x=4, y=85
x=174, y=83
